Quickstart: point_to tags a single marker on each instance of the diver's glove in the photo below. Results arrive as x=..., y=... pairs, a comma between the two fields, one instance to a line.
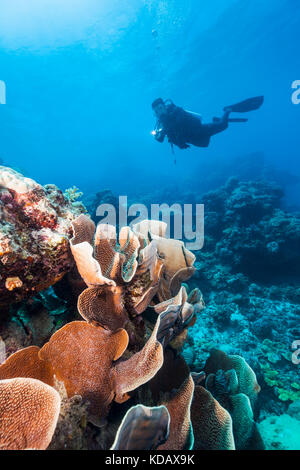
x=159, y=135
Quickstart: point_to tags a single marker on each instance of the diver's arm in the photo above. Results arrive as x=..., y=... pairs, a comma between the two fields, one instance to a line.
x=160, y=135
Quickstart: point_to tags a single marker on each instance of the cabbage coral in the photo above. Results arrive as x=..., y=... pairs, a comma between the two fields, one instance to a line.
x=135, y=314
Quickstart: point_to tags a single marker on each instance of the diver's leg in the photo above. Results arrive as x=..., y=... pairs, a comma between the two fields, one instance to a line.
x=205, y=131
x=218, y=126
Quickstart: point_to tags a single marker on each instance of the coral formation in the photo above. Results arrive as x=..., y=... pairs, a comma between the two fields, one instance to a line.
x=115, y=367
x=249, y=276
x=29, y=411
x=72, y=194
x=109, y=358
x=73, y=356
x=233, y=383
x=124, y=277
x=212, y=424
x=280, y=432
x=143, y=428
x=35, y=223
x=249, y=230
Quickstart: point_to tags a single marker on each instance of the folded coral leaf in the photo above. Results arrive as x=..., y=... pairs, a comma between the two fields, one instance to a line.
x=150, y=227
x=118, y=261
x=148, y=258
x=26, y=363
x=129, y=245
x=181, y=276
x=87, y=266
x=175, y=255
x=196, y=299
x=212, y=424
x=29, y=411
x=178, y=266
x=146, y=281
x=83, y=230
x=175, y=303
x=81, y=356
x=140, y=367
x=243, y=420
x=173, y=252
x=245, y=432
x=247, y=382
x=108, y=258
x=143, y=428
x=103, y=305
x=181, y=431
x=175, y=314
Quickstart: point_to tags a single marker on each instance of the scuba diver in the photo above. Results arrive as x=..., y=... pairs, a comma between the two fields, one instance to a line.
x=184, y=127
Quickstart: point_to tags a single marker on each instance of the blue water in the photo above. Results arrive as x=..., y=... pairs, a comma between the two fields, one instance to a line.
x=81, y=76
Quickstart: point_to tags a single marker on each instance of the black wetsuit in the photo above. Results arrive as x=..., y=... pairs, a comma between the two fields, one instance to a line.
x=183, y=128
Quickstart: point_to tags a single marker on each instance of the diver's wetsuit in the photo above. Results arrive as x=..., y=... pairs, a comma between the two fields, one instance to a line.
x=183, y=128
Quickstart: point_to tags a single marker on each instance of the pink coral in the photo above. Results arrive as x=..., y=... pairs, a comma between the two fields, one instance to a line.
x=35, y=222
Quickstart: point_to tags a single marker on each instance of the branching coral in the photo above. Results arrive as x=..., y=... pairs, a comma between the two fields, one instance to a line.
x=72, y=194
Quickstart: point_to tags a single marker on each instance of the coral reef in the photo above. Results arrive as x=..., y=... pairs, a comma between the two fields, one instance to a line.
x=136, y=313
x=280, y=432
x=140, y=316
x=249, y=275
x=35, y=224
x=212, y=424
x=250, y=232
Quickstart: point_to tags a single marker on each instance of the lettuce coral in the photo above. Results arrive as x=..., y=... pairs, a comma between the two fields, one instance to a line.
x=143, y=428
x=135, y=312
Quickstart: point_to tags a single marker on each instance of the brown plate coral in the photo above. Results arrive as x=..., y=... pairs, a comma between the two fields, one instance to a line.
x=122, y=381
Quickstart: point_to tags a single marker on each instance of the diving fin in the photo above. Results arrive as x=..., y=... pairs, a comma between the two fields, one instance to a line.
x=238, y=120
x=247, y=105
x=216, y=119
